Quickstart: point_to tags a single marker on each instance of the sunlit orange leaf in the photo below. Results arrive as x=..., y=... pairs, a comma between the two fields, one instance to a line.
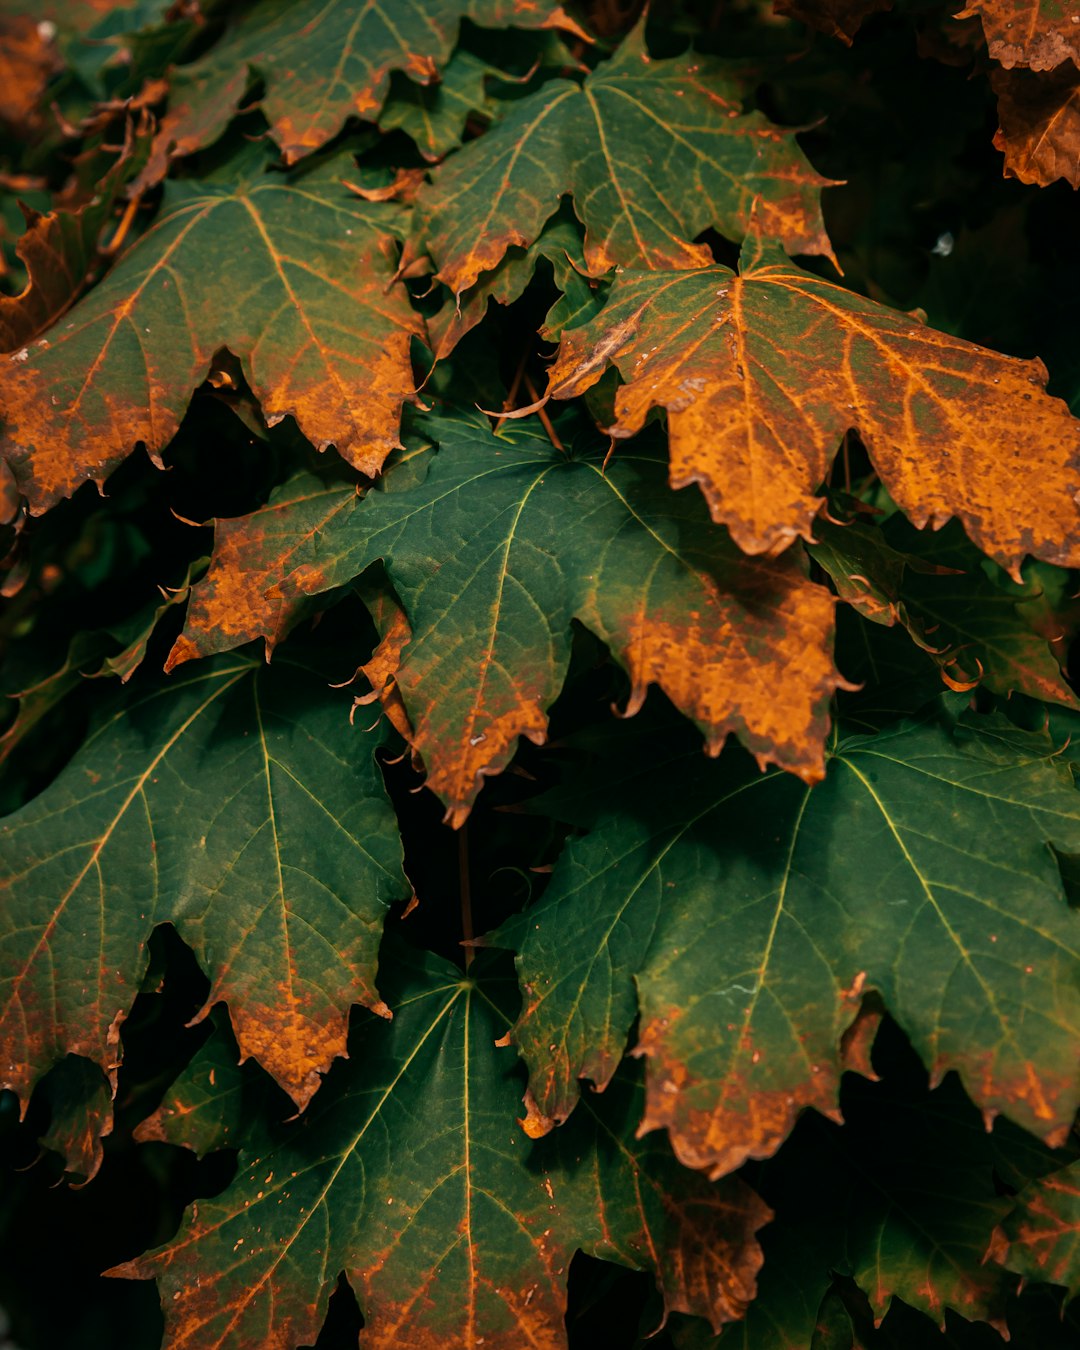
x=762, y=373
x=1040, y=124
x=291, y=274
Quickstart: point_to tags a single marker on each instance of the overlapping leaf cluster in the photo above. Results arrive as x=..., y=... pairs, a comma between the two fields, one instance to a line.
x=722, y=601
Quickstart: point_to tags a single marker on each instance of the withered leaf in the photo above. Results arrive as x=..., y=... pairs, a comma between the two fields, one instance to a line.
x=652, y=151
x=452, y=1228
x=290, y=274
x=235, y=804
x=762, y=373
x=490, y=578
x=838, y=18
x=1040, y=124
x=744, y=917
x=1039, y=34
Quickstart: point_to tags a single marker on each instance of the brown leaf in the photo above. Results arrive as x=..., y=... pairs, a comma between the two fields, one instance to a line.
x=27, y=60
x=1040, y=34
x=1040, y=124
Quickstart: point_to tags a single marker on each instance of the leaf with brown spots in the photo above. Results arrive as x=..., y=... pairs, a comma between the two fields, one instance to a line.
x=236, y=804
x=79, y=1098
x=762, y=373
x=451, y=1227
x=490, y=578
x=323, y=61
x=1040, y=1237
x=743, y=917
x=653, y=153
x=290, y=273
x=1040, y=124
x=1039, y=34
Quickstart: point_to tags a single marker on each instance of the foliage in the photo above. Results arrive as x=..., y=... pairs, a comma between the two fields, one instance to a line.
x=555, y=819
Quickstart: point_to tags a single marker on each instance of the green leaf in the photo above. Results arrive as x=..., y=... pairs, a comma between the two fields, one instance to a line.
x=235, y=804
x=290, y=274
x=653, y=153
x=80, y=1115
x=325, y=60
x=743, y=915
x=451, y=1227
x=490, y=578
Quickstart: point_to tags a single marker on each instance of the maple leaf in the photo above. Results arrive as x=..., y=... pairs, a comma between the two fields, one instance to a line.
x=1039, y=34
x=447, y=1222
x=901, y=1199
x=206, y=803
x=290, y=274
x=652, y=151
x=1040, y=1237
x=59, y=248
x=762, y=374
x=955, y=604
x=434, y=114
x=1040, y=124
x=740, y=914
x=490, y=579
x=286, y=44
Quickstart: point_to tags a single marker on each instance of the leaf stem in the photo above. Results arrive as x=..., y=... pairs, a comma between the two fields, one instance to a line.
x=466, y=894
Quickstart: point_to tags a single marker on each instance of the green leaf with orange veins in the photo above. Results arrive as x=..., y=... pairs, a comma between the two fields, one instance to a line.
x=59, y=249
x=742, y=915
x=490, y=578
x=252, y=553
x=559, y=246
x=434, y=113
x=1040, y=1237
x=977, y=624
x=762, y=373
x=235, y=804
x=323, y=61
x=652, y=152
x=1039, y=34
x=290, y=273
x=452, y=1228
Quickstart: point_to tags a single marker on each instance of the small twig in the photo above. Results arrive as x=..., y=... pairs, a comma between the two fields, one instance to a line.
x=113, y=246
x=466, y=894
x=511, y=397
x=545, y=420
